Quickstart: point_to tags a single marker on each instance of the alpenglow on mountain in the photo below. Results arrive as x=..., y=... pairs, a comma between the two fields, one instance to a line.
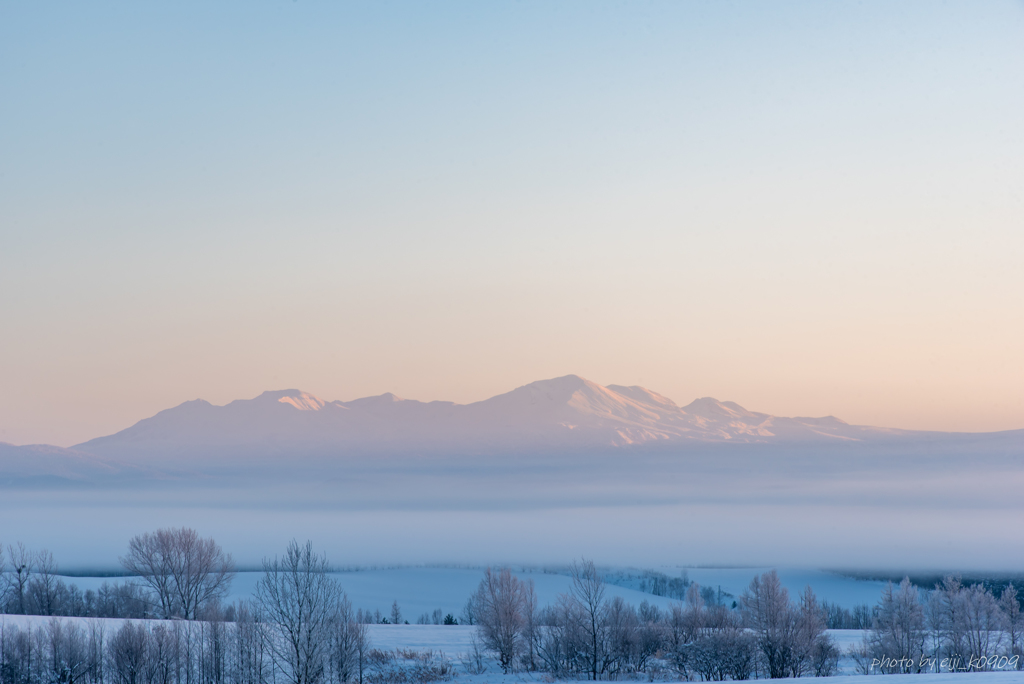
x=567, y=412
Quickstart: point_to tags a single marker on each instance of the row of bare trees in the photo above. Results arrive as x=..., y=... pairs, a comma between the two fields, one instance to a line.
x=30, y=585
x=176, y=573
x=952, y=628
x=143, y=652
x=298, y=629
x=587, y=634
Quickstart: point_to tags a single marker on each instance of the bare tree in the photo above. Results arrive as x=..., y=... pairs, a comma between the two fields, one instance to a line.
x=588, y=590
x=45, y=586
x=349, y=645
x=21, y=570
x=299, y=601
x=149, y=558
x=127, y=653
x=767, y=611
x=651, y=634
x=623, y=629
x=361, y=644
x=563, y=642
x=531, y=630
x=343, y=657
x=468, y=616
x=251, y=645
x=184, y=571
x=66, y=652
x=396, y=613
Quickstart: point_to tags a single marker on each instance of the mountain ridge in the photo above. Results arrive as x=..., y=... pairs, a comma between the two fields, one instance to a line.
x=568, y=420
x=569, y=411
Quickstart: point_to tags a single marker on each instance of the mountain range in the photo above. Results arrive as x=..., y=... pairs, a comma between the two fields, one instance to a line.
x=558, y=415
x=563, y=412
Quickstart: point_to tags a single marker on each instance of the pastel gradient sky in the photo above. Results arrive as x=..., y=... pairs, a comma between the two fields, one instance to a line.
x=808, y=208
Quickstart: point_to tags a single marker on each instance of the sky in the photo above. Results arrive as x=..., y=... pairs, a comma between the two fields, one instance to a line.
x=807, y=208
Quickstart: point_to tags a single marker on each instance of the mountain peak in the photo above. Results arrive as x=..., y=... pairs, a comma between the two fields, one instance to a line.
x=303, y=401
x=554, y=391
x=566, y=384
x=386, y=398
x=709, y=407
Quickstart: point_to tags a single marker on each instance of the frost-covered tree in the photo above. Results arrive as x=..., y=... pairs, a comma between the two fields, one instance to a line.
x=967, y=622
x=814, y=651
x=348, y=645
x=983, y=623
x=896, y=642
x=531, y=626
x=501, y=604
x=587, y=590
x=766, y=610
x=1013, y=623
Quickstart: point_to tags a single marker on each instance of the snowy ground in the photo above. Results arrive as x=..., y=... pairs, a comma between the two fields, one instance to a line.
x=421, y=590
x=455, y=641
x=828, y=586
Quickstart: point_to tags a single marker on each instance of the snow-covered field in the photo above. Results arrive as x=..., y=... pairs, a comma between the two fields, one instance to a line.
x=421, y=590
x=828, y=586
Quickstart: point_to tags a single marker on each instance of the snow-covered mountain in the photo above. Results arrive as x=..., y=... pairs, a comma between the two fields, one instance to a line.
x=560, y=413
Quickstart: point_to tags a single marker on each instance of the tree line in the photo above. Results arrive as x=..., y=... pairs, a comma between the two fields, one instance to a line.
x=299, y=628
x=953, y=627
x=587, y=635
x=29, y=585
x=175, y=573
x=178, y=574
